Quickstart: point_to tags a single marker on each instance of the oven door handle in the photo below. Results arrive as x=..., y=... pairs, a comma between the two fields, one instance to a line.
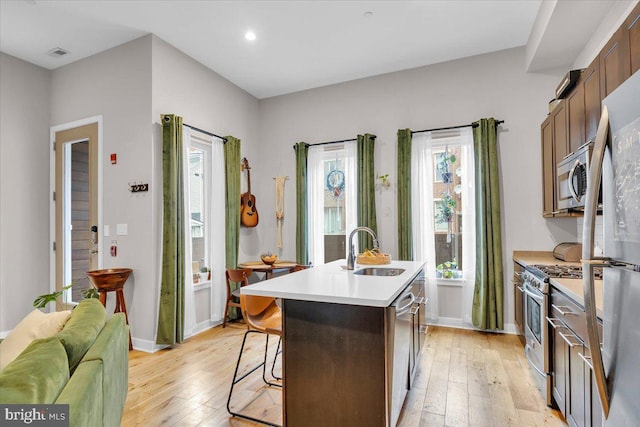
x=535, y=296
x=572, y=190
x=527, y=351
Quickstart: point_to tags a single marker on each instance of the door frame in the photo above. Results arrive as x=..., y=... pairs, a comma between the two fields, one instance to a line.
x=52, y=188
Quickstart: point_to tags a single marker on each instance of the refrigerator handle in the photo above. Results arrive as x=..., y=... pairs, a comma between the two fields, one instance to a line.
x=588, y=261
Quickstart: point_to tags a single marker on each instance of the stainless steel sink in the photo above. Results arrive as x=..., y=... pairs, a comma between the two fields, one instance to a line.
x=379, y=271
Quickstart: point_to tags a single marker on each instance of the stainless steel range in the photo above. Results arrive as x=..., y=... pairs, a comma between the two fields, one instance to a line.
x=535, y=287
x=536, y=310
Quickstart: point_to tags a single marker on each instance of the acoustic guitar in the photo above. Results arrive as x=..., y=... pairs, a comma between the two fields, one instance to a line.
x=248, y=211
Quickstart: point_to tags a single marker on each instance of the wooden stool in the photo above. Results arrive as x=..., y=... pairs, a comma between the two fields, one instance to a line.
x=121, y=307
x=112, y=280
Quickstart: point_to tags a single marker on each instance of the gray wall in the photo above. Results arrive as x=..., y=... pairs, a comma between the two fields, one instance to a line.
x=116, y=84
x=451, y=93
x=24, y=187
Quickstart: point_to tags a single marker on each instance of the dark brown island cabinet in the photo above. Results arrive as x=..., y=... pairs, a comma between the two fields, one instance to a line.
x=339, y=357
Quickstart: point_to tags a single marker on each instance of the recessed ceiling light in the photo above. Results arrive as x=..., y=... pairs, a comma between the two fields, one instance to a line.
x=367, y=14
x=250, y=35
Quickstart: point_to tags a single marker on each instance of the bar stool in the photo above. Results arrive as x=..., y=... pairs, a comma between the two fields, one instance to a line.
x=240, y=276
x=262, y=316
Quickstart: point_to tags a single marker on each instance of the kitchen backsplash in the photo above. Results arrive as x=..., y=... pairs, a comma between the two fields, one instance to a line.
x=598, y=234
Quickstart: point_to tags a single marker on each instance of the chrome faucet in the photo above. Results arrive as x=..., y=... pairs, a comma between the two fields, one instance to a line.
x=351, y=258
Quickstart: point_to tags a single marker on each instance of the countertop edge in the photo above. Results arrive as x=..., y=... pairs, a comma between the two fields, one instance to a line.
x=281, y=287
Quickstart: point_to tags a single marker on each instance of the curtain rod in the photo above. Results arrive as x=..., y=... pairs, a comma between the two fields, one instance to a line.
x=473, y=125
x=334, y=142
x=205, y=132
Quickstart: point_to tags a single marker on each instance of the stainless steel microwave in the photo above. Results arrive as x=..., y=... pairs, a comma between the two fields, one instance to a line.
x=573, y=178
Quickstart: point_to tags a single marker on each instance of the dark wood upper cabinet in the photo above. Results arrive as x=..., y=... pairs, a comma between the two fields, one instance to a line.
x=576, y=117
x=615, y=62
x=591, y=86
x=560, y=134
x=633, y=27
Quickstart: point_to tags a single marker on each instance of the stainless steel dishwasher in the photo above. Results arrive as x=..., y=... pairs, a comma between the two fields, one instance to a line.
x=399, y=351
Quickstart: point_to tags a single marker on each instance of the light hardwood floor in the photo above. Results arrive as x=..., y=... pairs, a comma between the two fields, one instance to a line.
x=465, y=378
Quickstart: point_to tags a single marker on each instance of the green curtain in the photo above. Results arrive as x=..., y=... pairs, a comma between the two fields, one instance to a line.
x=487, y=312
x=365, y=184
x=232, y=207
x=405, y=235
x=302, y=230
x=171, y=309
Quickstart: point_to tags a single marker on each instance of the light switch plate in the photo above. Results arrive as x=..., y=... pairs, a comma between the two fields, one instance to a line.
x=122, y=230
x=107, y=232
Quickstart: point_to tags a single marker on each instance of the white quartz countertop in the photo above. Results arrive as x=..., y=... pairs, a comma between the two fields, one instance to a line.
x=333, y=284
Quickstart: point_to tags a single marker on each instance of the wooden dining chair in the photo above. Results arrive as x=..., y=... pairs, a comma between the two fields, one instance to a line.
x=240, y=276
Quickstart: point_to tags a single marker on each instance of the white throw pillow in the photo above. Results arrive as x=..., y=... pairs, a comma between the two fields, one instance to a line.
x=34, y=326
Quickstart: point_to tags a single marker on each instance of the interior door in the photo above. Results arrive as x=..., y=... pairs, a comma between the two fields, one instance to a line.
x=76, y=209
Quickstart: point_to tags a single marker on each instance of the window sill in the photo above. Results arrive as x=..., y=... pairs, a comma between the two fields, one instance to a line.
x=450, y=282
x=201, y=285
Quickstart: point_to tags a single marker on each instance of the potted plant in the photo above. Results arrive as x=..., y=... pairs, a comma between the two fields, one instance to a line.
x=446, y=208
x=447, y=270
x=443, y=167
x=205, y=274
x=42, y=300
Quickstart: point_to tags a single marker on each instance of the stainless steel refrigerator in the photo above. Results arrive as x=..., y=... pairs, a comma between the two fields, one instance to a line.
x=616, y=164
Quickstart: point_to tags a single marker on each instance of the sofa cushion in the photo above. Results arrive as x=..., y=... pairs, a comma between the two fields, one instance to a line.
x=38, y=375
x=84, y=395
x=86, y=321
x=34, y=326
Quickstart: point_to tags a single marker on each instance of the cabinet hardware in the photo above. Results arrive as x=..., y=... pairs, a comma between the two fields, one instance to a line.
x=564, y=310
x=552, y=321
x=566, y=339
x=586, y=360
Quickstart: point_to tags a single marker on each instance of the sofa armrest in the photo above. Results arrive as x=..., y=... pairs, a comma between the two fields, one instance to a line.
x=112, y=349
x=84, y=395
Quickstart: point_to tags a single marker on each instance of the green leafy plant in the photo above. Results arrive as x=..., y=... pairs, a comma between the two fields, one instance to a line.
x=42, y=300
x=446, y=208
x=448, y=269
x=384, y=180
x=443, y=166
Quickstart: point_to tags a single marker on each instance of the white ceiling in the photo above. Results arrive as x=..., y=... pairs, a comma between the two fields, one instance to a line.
x=300, y=44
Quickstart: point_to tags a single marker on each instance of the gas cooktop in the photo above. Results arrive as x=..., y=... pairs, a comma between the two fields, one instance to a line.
x=561, y=271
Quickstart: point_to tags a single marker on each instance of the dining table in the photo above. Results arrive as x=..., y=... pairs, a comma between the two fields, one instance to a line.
x=269, y=269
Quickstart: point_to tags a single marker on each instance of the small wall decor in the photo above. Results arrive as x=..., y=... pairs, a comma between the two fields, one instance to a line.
x=384, y=180
x=137, y=188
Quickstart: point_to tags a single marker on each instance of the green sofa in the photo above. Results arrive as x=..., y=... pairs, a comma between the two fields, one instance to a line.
x=85, y=365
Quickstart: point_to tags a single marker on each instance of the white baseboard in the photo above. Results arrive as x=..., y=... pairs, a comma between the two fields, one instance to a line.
x=151, y=347
x=147, y=346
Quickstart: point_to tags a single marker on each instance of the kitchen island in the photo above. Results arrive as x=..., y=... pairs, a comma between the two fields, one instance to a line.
x=342, y=343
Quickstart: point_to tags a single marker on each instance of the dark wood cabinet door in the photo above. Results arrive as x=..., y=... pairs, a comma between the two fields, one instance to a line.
x=591, y=85
x=560, y=364
x=615, y=62
x=576, y=117
x=633, y=27
x=548, y=168
x=560, y=134
x=576, y=409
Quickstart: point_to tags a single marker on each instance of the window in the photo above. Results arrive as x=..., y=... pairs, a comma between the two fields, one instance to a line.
x=442, y=192
x=204, y=232
x=332, y=203
x=199, y=155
